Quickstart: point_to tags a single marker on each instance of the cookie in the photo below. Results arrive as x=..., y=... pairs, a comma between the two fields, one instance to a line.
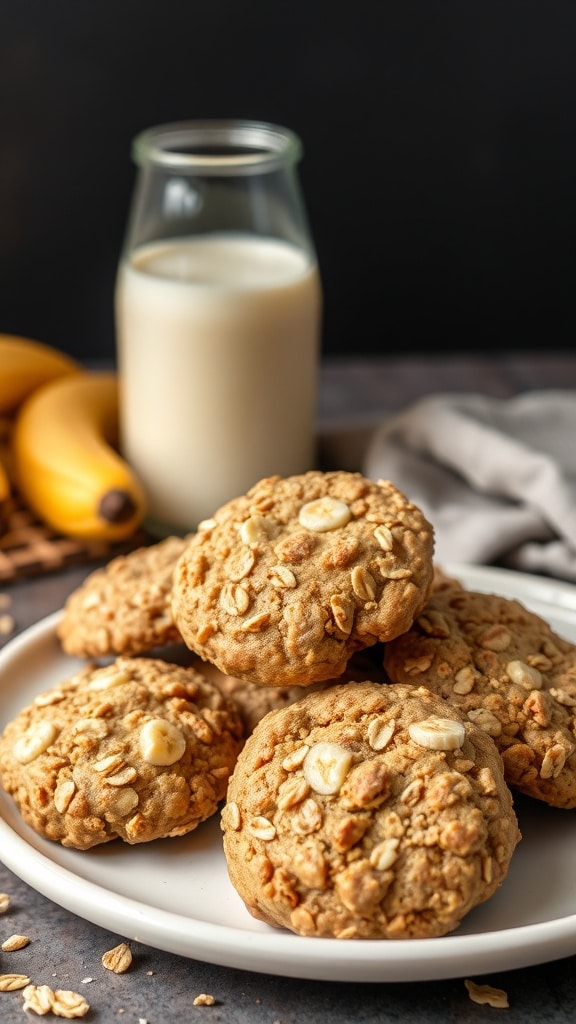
x=286, y=582
x=125, y=606
x=442, y=579
x=368, y=811
x=511, y=675
x=139, y=750
x=255, y=701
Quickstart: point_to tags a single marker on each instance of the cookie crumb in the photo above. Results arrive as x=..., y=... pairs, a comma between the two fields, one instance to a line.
x=487, y=994
x=204, y=1000
x=4, y=902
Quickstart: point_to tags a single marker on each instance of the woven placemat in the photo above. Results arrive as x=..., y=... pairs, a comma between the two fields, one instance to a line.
x=28, y=547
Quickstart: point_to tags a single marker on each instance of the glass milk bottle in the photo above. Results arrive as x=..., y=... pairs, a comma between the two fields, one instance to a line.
x=218, y=317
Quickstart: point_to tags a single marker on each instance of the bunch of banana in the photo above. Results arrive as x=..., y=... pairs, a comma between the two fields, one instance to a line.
x=24, y=365
x=58, y=440
x=66, y=465
x=5, y=485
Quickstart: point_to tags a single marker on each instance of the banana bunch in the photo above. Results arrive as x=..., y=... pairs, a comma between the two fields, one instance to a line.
x=24, y=365
x=62, y=453
x=5, y=485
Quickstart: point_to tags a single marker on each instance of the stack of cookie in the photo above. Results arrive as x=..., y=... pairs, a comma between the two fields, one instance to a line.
x=298, y=657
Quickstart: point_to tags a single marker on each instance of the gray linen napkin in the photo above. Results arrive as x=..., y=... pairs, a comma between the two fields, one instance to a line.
x=495, y=477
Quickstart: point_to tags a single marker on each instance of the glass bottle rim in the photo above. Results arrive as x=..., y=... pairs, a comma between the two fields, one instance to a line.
x=217, y=146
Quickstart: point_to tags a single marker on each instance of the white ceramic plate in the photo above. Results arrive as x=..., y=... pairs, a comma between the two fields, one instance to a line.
x=175, y=894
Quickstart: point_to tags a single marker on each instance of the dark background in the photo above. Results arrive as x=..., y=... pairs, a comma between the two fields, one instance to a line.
x=439, y=168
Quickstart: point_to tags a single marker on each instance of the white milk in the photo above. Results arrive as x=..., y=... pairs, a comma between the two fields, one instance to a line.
x=218, y=344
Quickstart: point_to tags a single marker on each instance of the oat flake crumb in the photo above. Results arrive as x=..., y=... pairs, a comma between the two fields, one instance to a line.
x=496, y=997
x=204, y=1000
x=118, y=959
x=42, y=999
x=4, y=902
x=11, y=982
x=7, y=625
x=15, y=942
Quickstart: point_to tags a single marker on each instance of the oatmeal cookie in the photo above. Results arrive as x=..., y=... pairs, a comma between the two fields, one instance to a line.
x=511, y=675
x=287, y=581
x=368, y=811
x=255, y=701
x=139, y=749
x=125, y=606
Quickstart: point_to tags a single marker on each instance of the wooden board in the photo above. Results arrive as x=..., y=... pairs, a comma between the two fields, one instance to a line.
x=28, y=547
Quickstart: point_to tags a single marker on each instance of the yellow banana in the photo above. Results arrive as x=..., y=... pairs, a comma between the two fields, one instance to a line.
x=65, y=460
x=5, y=492
x=24, y=365
x=5, y=482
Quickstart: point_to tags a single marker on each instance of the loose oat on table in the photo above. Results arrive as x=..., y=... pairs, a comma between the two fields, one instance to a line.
x=124, y=607
x=7, y=625
x=340, y=823
x=118, y=959
x=487, y=995
x=7, y=620
x=139, y=749
x=42, y=999
x=13, y=982
x=14, y=942
x=509, y=672
x=4, y=902
x=285, y=583
x=204, y=999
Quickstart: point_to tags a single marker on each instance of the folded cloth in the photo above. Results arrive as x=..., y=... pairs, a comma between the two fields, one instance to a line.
x=495, y=477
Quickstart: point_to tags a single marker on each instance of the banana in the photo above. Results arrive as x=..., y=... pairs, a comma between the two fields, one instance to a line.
x=5, y=481
x=24, y=365
x=5, y=492
x=65, y=461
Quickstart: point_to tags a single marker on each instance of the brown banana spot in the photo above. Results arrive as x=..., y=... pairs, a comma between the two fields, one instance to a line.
x=116, y=506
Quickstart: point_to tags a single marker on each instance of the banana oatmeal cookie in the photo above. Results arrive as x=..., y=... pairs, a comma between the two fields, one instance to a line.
x=255, y=701
x=287, y=581
x=125, y=606
x=510, y=674
x=139, y=749
x=368, y=811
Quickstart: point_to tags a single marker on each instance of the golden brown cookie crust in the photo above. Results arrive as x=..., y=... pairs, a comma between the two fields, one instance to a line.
x=286, y=582
x=124, y=607
x=139, y=749
x=339, y=823
x=509, y=672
